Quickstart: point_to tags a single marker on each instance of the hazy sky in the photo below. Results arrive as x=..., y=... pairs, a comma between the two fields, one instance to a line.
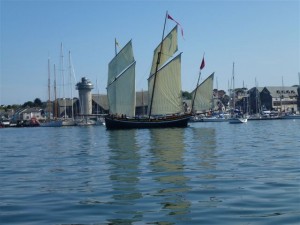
x=261, y=37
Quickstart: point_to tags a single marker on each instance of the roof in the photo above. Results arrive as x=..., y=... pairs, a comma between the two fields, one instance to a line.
x=256, y=88
x=61, y=101
x=277, y=91
x=32, y=110
x=101, y=100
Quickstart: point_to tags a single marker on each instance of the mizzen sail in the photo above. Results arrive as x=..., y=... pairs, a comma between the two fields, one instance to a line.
x=204, y=92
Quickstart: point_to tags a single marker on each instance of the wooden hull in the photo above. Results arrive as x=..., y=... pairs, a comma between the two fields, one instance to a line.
x=118, y=123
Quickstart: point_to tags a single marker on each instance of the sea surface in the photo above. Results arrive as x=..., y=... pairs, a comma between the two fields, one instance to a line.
x=207, y=173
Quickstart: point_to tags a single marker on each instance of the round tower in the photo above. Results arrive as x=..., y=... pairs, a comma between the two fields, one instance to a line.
x=85, y=96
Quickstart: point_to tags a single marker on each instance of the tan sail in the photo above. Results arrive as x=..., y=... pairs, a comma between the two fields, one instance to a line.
x=121, y=83
x=125, y=92
x=170, y=46
x=167, y=98
x=204, y=92
x=120, y=62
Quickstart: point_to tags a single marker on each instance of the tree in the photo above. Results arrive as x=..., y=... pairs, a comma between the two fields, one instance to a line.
x=38, y=102
x=225, y=100
x=28, y=104
x=186, y=95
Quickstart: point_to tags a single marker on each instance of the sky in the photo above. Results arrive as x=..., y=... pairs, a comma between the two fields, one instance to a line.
x=262, y=38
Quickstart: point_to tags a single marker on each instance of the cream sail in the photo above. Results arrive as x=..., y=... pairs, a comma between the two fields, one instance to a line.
x=169, y=47
x=165, y=85
x=120, y=62
x=121, y=83
x=167, y=97
x=203, y=98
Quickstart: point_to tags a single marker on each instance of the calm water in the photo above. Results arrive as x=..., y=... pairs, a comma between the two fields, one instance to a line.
x=208, y=173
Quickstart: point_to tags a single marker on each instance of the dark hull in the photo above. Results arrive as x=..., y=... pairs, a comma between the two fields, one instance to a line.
x=117, y=123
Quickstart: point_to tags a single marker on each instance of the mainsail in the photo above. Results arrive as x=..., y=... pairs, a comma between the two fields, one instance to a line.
x=121, y=83
x=166, y=98
x=204, y=92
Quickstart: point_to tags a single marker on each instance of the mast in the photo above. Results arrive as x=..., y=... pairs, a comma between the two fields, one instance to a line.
x=98, y=97
x=233, y=87
x=71, y=84
x=157, y=63
x=49, y=106
x=116, y=46
x=63, y=77
x=281, y=97
x=217, y=95
x=55, y=101
x=256, y=102
x=197, y=85
x=143, y=111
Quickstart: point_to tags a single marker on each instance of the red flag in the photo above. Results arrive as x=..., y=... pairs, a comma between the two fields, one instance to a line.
x=202, y=64
x=171, y=18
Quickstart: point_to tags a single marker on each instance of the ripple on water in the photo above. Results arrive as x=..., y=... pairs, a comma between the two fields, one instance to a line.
x=208, y=173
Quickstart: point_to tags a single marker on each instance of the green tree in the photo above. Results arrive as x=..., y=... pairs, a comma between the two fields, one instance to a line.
x=38, y=102
x=28, y=104
x=186, y=95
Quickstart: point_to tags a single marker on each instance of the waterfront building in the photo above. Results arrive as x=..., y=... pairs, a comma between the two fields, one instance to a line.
x=99, y=104
x=282, y=99
x=65, y=106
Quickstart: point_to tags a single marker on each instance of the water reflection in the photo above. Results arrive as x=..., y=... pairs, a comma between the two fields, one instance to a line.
x=124, y=170
x=205, y=156
x=205, y=146
x=167, y=148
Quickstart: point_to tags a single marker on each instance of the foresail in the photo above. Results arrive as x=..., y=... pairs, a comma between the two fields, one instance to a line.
x=120, y=62
x=167, y=98
x=170, y=46
x=204, y=92
x=121, y=93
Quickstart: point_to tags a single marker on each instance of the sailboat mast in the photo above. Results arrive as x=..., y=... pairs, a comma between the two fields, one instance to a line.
x=49, y=106
x=63, y=77
x=157, y=63
x=71, y=84
x=233, y=86
x=116, y=46
x=55, y=102
x=281, y=97
x=143, y=111
x=195, y=92
x=197, y=84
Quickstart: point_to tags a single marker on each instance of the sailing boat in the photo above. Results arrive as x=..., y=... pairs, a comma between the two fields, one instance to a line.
x=164, y=85
x=203, y=100
x=50, y=122
x=236, y=117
